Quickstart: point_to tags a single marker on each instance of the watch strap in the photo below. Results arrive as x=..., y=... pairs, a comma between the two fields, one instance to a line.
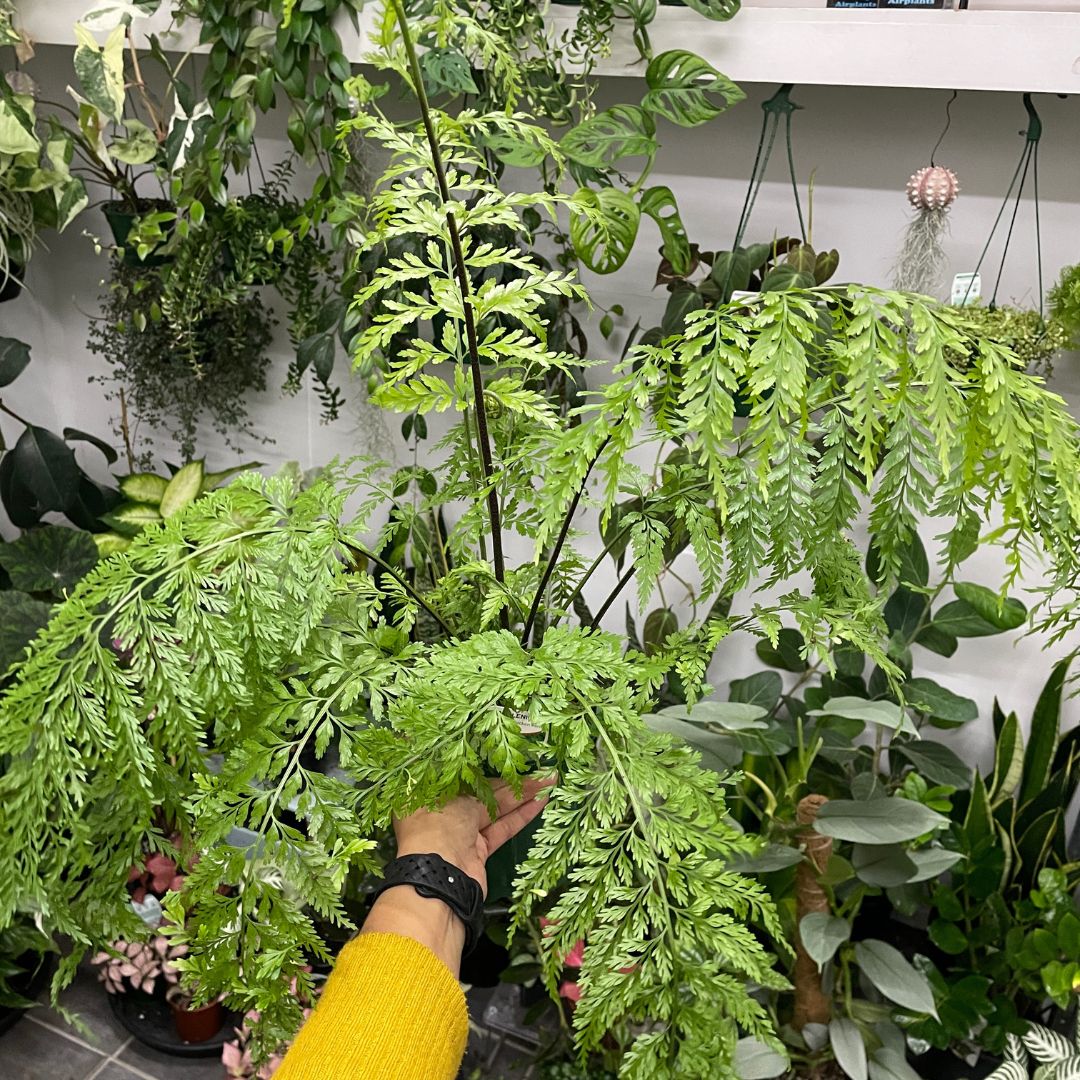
x=436, y=879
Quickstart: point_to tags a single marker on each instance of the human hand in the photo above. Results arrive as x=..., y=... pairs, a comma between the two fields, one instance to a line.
x=463, y=833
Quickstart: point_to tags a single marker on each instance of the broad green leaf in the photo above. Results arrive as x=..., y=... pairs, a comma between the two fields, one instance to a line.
x=659, y=625
x=754, y=1060
x=212, y=480
x=129, y=519
x=15, y=137
x=687, y=89
x=21, y=617
x=914, y=568
x=101, y=70
x=659, y=204
x=948, y=937
x=717, y=10
x=931, y=863
x=928, y=697
x=1043, y=737
x=183, y=489
x=1008, y=760
x=718, y=752
x=137, y=147
x=50, y=559
x=787, y=653
x=771, y=857
x=887, y=1063
x=822, y=934
x=108, y=452
x=886, y=714
x=46, y=468
x=894, y=976
x=148, y=488
x=1005, y=614
x=959, y=619
x=904, y=611
x=878, y=821
x=762, y=689
x=883, y=865
x=848, y=1047
x=603, y=239
x=610, y=136
x=731, y=715
x=14, y=356
x=447, y=69
x=935, y=762
x=937, y=640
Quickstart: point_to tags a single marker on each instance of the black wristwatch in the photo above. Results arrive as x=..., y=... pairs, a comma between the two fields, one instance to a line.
x=435, y=879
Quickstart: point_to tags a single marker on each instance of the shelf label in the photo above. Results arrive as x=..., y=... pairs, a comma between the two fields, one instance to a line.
x=966, y=290
x=925, y=5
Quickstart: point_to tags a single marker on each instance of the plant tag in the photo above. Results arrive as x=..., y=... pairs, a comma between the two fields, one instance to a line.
x=966, y=290
x=523, y=722
x=149, y=910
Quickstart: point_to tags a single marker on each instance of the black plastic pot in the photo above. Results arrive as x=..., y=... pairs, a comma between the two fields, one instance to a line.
x=37, y=970
x=12, y=283
x=121, y=218
x=149, y=1017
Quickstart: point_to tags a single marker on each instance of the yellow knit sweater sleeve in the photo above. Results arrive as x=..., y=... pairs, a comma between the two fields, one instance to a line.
x=391, y=1010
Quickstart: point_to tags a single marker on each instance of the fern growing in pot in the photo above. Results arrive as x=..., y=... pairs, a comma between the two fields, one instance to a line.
x=261, y=623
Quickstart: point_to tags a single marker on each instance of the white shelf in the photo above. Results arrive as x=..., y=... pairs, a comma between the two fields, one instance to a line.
x=1027, y=50
x=951, y=50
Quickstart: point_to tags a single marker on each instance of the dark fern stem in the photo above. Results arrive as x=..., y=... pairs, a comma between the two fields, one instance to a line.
x=462, y=273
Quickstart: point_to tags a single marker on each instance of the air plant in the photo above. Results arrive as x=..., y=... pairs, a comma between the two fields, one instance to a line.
x=931, y=191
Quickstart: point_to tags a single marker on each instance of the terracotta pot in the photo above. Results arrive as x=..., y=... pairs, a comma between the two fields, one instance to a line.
x=194, y=1025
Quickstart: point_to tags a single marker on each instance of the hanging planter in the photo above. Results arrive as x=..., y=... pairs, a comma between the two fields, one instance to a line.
x=11, y=283
x=123, y=219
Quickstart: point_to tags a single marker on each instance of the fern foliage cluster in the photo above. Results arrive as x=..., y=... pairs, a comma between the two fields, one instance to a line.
x=200, y=675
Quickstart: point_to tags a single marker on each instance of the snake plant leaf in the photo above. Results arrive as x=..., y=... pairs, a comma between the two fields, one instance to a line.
x=1008, y=760
x=1045, y=728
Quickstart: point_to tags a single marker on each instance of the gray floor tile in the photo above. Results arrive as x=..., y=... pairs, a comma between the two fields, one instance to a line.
x=115, y=1071
x=166, y=1067
x=87, y=998
x=32, y=1052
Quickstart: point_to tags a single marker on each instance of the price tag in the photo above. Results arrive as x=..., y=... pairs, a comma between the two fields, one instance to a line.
x=966, y=290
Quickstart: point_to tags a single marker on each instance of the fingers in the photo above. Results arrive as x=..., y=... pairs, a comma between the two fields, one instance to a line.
x=506, y=800
x=513, y=821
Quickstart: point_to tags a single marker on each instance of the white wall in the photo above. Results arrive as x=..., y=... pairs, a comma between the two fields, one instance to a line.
x=861, y=143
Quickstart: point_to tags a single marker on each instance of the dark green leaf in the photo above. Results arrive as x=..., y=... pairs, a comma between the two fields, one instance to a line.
x=21, y=617
x=914, y=566
x=934, y=700
x=50, y=559
x=904, y=611
x=1008, y=759
x=658, y=626
x=762, y=689
x=879, y=821
x=14, y=356
x=74, y=435
x=883, y=865
x=894, y=976
x=46, y=468
x=937, y=640
x=935, y=762
x=959, y=619
x=1005, y=614
x=822, y=934
x=1043, y=738
x=787, y=654
x=948, y=937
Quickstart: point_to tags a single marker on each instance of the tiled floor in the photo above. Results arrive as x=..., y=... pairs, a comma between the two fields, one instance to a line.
x=42, y=1046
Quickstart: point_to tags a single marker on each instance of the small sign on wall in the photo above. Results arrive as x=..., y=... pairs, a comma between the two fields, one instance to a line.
x=926, y=5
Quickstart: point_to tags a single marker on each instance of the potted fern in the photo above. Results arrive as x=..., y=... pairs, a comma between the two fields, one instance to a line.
x=300, y=635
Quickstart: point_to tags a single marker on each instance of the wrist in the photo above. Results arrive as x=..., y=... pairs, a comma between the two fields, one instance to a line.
x=403, y=911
